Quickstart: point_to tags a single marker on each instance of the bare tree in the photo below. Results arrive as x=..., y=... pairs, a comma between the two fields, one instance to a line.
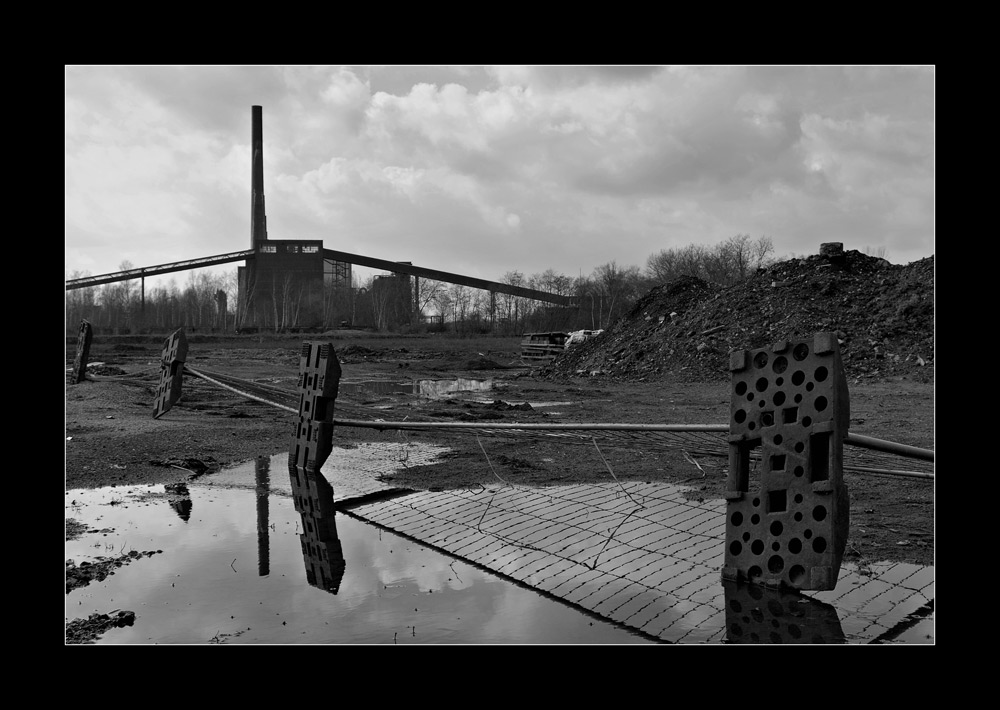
x=618, y=287
x=728, y=262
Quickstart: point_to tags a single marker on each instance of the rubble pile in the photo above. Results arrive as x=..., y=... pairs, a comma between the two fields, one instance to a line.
x=882, y=313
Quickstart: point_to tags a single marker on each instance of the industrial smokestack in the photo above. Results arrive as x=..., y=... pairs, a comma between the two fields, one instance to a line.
x=258, y=219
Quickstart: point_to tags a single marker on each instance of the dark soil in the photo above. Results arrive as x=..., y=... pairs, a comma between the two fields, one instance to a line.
x=883, y=315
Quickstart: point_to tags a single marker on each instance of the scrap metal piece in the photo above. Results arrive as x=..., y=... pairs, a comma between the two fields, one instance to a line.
x=82, y=353
x=168, y=391
x=789, y=416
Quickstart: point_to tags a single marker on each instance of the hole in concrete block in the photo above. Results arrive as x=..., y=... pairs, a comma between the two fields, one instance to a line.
x=796, y=574
x=777, y=502
x=819, y=456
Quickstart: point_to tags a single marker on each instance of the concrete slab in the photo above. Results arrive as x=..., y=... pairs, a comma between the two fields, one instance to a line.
x=642, y=555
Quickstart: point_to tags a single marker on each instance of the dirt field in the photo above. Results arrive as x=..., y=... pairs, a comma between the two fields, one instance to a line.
x=112, y=438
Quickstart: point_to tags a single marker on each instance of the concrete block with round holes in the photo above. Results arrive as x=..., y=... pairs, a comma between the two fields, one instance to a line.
x=168, y=391
x=319, y=382
x=787, y=512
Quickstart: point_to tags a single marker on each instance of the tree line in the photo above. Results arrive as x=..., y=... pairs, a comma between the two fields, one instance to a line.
x=209, y=301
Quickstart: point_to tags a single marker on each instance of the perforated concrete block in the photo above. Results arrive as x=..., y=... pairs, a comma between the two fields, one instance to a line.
x=318, y=384
x=787, y=513
x=172, y=360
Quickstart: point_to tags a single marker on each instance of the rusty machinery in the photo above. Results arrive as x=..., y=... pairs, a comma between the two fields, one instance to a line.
x=789, y=416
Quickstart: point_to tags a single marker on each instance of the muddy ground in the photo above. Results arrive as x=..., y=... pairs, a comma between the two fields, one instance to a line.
x=112, y=438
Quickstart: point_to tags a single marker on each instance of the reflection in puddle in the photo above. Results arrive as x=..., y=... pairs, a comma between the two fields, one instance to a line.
x=324, y=577
x=230, y=575
x=646, y=556
x=434, y=389
x=756, y=614
x=424, y=388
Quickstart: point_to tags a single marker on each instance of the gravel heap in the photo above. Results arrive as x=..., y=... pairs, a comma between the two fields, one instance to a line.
x=882, y=313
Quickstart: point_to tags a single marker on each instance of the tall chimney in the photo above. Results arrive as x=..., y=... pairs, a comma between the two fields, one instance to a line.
x=258, y=220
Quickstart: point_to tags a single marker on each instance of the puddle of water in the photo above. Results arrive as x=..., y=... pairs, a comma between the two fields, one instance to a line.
x=424, y=388
x=235, y=569
x=534, y=405
x=443, y=388
x=358, y=470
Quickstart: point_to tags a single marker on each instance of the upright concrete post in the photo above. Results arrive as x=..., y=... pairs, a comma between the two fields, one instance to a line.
x=790, y=413
x=319, y=382
x=82, y=353
x=171, y=372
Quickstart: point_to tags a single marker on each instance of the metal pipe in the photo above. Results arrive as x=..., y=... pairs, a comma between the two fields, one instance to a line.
x=869, y=442
x=889, y=472
x=720, y=428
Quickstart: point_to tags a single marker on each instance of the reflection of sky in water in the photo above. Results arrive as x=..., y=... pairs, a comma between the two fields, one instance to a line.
x=206, y=581
x=433, y=389
x=237, y=559
x=424, y=388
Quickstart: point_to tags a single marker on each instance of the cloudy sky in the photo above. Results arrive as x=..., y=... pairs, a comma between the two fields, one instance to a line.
x=486, y=170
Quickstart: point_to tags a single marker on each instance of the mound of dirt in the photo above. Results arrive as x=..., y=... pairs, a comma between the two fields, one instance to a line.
x=882, y=313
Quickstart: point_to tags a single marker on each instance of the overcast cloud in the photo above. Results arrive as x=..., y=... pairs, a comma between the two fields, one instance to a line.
x=486, y=170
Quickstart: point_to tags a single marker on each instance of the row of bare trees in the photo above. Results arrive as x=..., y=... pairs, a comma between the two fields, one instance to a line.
x=122, y=307
x=604, y=296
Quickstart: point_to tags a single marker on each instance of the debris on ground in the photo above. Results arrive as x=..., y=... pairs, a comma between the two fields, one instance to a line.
x=90, y=629
x=102, y=567
x=196, y=467
x=882, y=314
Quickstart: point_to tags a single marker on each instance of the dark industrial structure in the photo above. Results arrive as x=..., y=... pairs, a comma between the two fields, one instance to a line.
x=298, y=285
x=283, y=286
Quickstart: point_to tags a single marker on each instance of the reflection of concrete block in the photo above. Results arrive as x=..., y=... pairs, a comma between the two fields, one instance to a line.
x=758, y=615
